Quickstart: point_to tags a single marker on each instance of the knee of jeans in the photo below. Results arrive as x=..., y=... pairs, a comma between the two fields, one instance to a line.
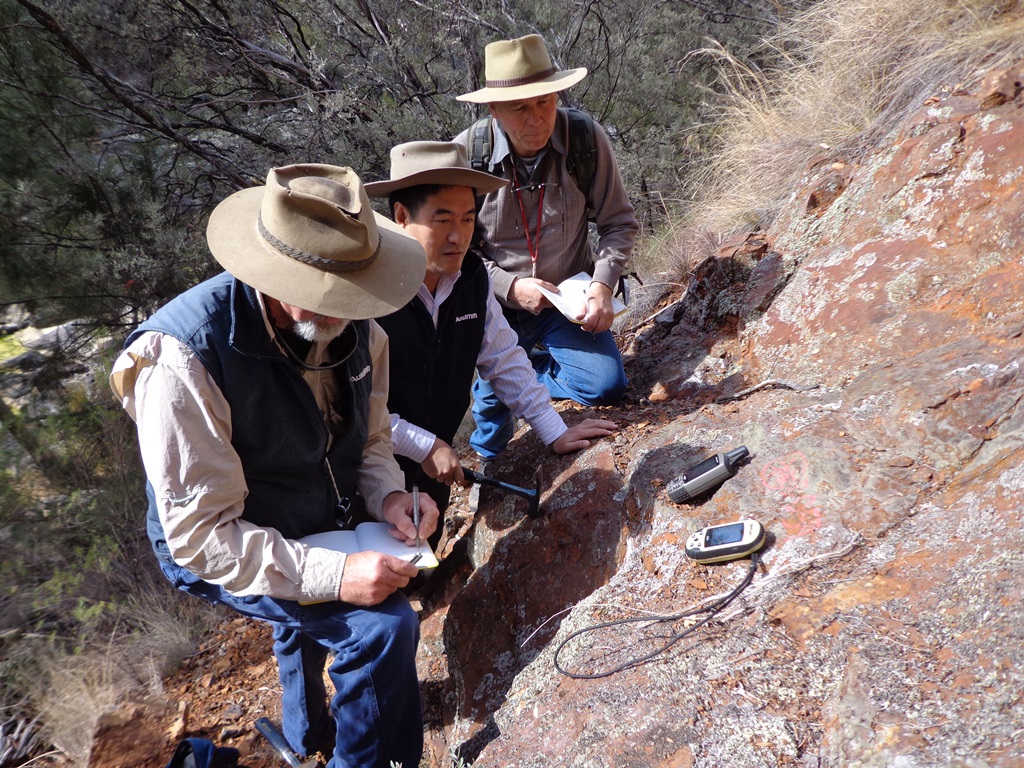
x=485, y=400
x=401, y=626
x=606, y=392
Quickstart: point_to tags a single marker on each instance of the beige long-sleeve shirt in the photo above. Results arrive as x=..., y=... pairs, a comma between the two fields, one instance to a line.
x=184, y=428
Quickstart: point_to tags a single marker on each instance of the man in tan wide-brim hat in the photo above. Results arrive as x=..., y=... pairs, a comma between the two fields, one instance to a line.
x=533, y=233
x=259, y=397
x=454, y=327
x=521, y=69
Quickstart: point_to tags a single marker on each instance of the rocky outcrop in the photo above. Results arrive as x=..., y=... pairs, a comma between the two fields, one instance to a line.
x=867, y=350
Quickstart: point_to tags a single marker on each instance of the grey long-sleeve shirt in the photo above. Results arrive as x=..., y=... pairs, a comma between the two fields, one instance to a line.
x=565, y=247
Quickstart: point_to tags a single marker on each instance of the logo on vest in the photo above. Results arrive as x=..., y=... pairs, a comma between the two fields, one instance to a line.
x=361, y=374
x=470, y=316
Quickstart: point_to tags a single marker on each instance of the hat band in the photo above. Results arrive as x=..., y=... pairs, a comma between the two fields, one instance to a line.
x=327, y=265
x=512, y=82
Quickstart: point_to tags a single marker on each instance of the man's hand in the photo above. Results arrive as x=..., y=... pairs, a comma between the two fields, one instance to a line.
x=578, y=437
x=398, y=511
x=370, y=577
x=442, y=463
x=599, y=315
x=524, y=293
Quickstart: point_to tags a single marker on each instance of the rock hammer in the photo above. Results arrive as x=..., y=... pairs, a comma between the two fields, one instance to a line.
x=277, y=741
x=531, y=495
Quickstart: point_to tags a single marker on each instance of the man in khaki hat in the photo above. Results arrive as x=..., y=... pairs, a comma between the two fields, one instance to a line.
x=260, y=397
x=533, y=233
x=454, y=327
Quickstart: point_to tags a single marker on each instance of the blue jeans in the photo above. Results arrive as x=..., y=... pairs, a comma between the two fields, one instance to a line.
x=376, y=704
x=573, y=364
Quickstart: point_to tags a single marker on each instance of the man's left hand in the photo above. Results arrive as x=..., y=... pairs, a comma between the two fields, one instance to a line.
x=442, y=463
x=397, y=510
x=600, y=315
x=578, y=437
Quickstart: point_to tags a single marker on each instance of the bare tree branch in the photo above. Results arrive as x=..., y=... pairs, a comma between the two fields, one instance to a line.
x=116, y=90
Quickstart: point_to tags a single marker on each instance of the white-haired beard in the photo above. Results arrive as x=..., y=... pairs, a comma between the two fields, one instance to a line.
x=315, y=329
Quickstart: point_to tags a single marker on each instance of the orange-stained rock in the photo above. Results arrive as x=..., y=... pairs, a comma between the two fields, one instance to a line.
x=892, y=491
x=883, y=313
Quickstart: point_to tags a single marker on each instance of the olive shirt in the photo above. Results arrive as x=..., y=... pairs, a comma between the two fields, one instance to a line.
x=564, y=243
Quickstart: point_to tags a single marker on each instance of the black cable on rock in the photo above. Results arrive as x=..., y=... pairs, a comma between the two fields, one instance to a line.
x=711, y=610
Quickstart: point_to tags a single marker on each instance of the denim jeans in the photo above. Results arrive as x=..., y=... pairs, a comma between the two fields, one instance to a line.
x=376, y=704
x=573, y=364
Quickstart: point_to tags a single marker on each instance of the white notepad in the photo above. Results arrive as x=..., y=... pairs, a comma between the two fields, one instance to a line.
x=371, y=537
x=571, y=299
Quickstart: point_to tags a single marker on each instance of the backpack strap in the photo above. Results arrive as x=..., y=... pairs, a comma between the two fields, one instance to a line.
x=581, y=161
x=480, y=144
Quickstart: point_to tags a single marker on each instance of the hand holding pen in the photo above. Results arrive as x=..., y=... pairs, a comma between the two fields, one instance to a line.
x=416, y=513
x=411, y=509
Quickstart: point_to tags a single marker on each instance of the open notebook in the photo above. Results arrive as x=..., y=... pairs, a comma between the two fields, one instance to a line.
x=571, y=298
x=372, y=537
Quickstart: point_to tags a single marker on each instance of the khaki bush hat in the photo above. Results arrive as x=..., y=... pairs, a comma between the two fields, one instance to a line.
x=433, y=162
x=521, y=69
x=309, y=238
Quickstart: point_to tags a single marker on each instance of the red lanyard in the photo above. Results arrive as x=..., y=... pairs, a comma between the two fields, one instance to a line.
x=533, y=246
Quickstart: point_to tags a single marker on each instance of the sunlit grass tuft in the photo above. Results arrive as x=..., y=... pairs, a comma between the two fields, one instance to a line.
x=844, y=75
x=76, y=689
x=10, y=347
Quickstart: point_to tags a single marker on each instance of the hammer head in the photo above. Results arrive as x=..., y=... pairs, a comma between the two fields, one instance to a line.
x=538, y=479
x=532, y=495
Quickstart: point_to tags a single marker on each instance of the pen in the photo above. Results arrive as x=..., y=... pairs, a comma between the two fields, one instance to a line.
x=416, y=513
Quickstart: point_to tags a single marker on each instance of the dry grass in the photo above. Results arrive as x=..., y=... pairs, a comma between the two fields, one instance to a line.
x=79, y=688
x=844, y=75
x=82, y=688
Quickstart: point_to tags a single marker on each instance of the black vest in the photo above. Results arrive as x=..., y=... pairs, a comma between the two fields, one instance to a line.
x=432, y=371
x=278, y=430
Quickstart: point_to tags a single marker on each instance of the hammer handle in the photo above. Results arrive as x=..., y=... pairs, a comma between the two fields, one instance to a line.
x=533, y=496
x=476, y=477
x=277, y=741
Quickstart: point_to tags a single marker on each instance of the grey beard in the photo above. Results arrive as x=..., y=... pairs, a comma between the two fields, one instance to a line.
x=313, y=330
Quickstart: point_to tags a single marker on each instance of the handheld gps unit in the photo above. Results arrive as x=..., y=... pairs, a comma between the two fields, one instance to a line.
x=706, y=475
x=718, y=543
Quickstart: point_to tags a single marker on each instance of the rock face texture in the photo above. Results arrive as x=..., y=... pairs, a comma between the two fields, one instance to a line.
x=882, y=315
x=867, y=350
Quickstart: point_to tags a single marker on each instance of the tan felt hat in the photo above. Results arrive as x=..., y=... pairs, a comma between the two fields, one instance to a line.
x=433, y=162
x=310, y=239
x=521, y=69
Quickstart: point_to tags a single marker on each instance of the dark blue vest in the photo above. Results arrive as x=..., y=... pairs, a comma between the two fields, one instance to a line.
x=278, y=430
